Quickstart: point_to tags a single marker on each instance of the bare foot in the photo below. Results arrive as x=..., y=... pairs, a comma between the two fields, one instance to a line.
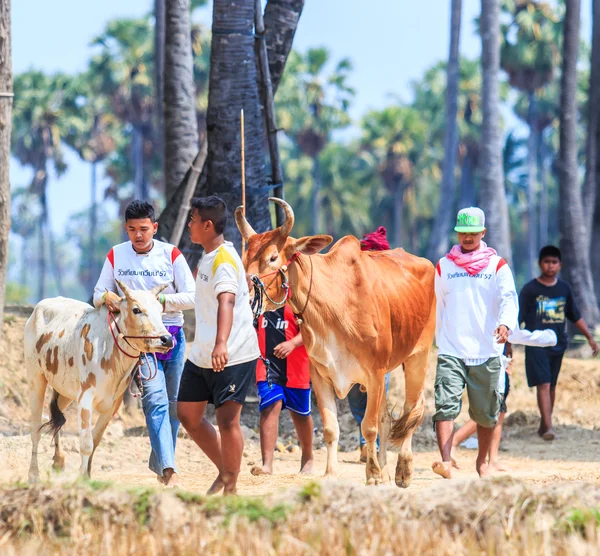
x=483, y=469
x=217, y=486
x=453, y=458
x=306, y=467
x=549, y=434
x=170, y=479
x=260, y=470
x=230, y=489
x=363, y=454
x=496, y=466
x=443, y=469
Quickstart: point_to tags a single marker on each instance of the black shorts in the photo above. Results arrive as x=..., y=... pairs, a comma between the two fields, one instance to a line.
x=505, y=395
x=542, y=366
x=205, y=385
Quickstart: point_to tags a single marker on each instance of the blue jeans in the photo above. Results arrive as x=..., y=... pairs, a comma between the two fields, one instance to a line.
x=358, y=405
x=160, y=406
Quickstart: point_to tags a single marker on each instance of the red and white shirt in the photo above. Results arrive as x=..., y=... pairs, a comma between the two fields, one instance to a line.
x=274, y=328
x=163, y=264
x=471, y=307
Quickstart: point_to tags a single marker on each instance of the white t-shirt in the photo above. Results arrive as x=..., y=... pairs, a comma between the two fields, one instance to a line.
x=163, y=264
x=222, y=271
x=470, y=308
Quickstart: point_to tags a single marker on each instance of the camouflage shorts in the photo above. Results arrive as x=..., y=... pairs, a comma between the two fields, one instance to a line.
x=481, y=381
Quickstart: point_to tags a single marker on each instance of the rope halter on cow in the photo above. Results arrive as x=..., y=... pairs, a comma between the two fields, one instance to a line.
x=136, y=373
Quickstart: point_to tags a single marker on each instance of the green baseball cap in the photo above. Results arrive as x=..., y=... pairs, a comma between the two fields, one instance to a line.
x=470, y=220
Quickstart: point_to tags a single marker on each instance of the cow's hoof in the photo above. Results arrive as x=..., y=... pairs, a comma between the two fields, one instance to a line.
x=59, y=464
x=374, y=481
x=403, y=483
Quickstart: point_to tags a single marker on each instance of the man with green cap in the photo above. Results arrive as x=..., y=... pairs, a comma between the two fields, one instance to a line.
x=477, y=308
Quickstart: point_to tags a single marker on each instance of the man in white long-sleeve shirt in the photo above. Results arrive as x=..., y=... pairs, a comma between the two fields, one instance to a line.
x=142, y=264
x=477, y=308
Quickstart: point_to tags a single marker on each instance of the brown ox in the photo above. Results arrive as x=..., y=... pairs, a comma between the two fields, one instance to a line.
x=363, y=315
x=71, y=346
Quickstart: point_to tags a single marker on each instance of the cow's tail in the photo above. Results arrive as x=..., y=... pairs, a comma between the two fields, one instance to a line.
x=405, y=425
x=57, y=417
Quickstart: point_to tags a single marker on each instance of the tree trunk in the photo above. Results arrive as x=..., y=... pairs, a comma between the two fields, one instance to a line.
x=94, y=272
x=159, y=81
x=54, y=260
x=316, y=197
x=233, y=86
x=531, y=181
x=42, y=231
x=181, y=127
x=267, y=100
x=281, y=22
x=576, y=260
x=281, y=19
x=6, y=88
x=491, y=189
x=589, y=185
x=137, y=148
x=439, y=239
x=398, y=212
x=467, y=195
x=543, y=171
x=596, y=233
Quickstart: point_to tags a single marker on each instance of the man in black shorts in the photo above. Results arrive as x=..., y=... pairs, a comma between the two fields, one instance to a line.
x=545, y=303
x=222, y=359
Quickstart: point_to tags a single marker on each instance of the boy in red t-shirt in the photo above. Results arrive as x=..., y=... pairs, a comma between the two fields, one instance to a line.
x=284, y=383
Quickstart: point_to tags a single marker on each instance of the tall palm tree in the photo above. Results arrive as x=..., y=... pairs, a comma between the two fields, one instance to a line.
x=6, y=87
x=396, y=136
x=593, y=130
x=572, y=226
x=529, y=54
x=93, y=134
x=594, y=226
x=124, y=65
x=438, y=243
x=160, y=15
x=234, y=86
x=40, y=122
x=281, y=22
x=430, y=94
x=311, y=106
x=492, y=198
x=181, y=129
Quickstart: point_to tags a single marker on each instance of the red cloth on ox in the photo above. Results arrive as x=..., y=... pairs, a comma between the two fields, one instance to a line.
x=375, y=241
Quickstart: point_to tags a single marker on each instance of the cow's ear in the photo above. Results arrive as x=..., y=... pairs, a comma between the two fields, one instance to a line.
x=310, y=245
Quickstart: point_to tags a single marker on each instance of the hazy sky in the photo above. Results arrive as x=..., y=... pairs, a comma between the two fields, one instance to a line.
x=390, y=42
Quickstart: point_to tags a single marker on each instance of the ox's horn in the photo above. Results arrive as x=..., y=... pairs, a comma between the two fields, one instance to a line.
x=243, y=225
x=286, y=228
x=124, y=289
x=157, y=289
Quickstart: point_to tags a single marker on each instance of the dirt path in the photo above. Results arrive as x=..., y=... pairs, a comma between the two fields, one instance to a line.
x=123, y=460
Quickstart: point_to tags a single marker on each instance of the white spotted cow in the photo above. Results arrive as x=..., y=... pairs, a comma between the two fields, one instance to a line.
x=87, y=356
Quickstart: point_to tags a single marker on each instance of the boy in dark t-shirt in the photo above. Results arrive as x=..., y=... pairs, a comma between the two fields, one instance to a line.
x=545, y=303
x=283, y=384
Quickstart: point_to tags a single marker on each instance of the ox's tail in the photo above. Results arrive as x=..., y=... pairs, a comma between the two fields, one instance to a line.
x=57, y=417
x=405, y=425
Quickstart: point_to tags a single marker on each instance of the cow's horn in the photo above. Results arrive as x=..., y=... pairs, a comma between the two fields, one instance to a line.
x=243, y=226
x=157, y=289
x=286, y=228
x=124, y=288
